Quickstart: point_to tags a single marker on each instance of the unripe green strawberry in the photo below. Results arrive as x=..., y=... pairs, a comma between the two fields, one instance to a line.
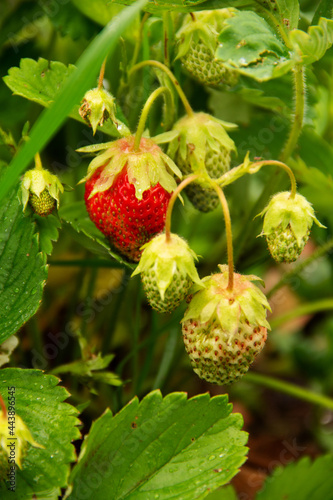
x=167, y=271
x=202, y=146
x=225, y=330
x=287, y=224
x=197, y=43
x=41, y=189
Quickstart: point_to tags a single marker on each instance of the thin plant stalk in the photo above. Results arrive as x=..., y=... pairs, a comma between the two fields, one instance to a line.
x=228, y=231
x=139, y=39
x=299, y=79
x=285, y=168
x=145, y=113
x=173, y=198
x=101, y=75
x=291, y=389
x=38, y=162
x=172, y=77
x=303, y=310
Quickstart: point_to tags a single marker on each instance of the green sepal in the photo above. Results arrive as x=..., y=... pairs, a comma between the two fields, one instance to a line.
x=217, y=303
x=166, y=258
x=37, y=180
x=166, y=137
x=284, y=210
x=146, y=166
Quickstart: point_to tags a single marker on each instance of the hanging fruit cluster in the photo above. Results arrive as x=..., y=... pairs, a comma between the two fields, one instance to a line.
x=130, y=190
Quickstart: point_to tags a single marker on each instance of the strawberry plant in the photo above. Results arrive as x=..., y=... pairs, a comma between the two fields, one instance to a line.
x=166, y=300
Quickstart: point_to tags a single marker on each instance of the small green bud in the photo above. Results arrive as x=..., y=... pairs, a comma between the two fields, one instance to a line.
x=97, y=106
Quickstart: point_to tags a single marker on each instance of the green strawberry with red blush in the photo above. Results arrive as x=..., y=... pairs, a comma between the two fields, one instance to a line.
x=127, y=192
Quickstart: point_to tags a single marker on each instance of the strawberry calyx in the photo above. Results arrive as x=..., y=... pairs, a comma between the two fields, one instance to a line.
x=245, y=302
x=196, y=135
x=146, y=166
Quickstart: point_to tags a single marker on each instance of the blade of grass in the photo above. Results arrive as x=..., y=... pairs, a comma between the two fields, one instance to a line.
x=78, y=83
x=302, y=310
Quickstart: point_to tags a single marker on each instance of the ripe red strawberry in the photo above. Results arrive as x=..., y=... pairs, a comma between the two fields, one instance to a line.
x=225, y=330
x=128, y=191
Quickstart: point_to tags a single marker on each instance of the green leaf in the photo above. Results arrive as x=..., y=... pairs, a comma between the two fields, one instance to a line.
x=47, y=228
x=42, y=81
x=162, y=5
x=22, y=267
x=249, y=45
x=52, y=423
x=162, y=448
x=91, y=368
x=311, y=46
x=71, y=94
x=226, y=493
x=304, y=480
x=76, y=215
x=285, y=11
x=39, y=81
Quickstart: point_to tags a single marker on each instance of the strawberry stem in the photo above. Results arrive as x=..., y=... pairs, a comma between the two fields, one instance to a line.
x=101, y=75
x=139, y=39
x=3, y=407
x=173, y=198
x=38, y=162
x=172, y=77
x=285, y=168
x=145, y=113
x=228, y=231
x=299, y=78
